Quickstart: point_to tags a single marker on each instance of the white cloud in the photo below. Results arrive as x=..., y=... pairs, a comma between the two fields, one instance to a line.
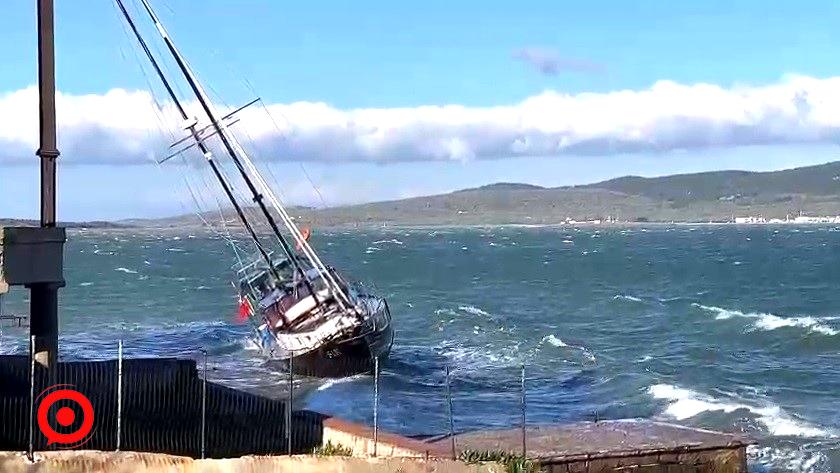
x=124, y=127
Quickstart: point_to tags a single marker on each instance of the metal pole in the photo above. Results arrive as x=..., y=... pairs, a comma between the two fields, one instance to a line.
x=289, y=405
x=523, y=410
x=119, y=392
x=31, y=397
x=375, y=404
x=48, y=152
x=44, y=296
x=204, y=405
x=451, y=419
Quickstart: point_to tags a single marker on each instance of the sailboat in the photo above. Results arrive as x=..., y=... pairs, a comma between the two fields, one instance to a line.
x=304, y=313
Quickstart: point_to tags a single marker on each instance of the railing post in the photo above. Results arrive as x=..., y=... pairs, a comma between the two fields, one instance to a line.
x=375, y=404
x=522, y=384
x=451, y=416
x=204, y=406
x=31, y=452
x=289, y=405
x=119, y=392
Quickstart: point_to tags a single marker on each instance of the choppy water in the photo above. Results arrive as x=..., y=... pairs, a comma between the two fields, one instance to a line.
x=729, y=328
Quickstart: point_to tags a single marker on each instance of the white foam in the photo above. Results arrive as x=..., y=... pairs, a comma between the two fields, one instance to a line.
x=557, y=342
x=125, y=270
x=685, y=404
x=371, y=249
x=473, y=310
x=332, y=382
x=392, y=240
x=552, y=340
x=85, y=284
x=767, y=322
x=788, y=459
x=626, y=298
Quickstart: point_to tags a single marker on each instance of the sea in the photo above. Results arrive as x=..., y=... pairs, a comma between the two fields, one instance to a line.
x=724, y=327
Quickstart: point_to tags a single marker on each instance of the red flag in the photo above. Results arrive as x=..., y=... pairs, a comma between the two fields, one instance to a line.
x=244, y=309
x=306, y=232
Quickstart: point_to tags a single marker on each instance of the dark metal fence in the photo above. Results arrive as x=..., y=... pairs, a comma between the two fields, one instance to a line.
x=168, y=405
x=161, y=405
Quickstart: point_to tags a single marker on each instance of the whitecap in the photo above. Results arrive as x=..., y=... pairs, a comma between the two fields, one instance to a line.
x=768, y=322
x=332, y=382
x=788, y=459
x=125, y=270
x=626, y=298
x=371, y=249
x=552, y=340
x=86, y=284
x=684, y=404
x=473, y=310
x=392, y=240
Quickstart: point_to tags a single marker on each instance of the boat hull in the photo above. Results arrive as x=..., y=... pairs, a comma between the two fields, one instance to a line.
x=348, y=356
x=344, y=358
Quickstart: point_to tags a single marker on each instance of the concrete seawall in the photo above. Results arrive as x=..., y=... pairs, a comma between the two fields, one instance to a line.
x=91, y=461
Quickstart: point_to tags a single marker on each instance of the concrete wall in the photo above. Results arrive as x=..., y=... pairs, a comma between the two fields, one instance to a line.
x=359, y=438
x=718, y=461
x=130, y=462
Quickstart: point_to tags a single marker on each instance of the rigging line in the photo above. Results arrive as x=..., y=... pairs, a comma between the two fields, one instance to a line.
x=267, y=166
x=158, y=108
x=205, y=151
x=232, y=73
x=236, y=152
x=227, y=234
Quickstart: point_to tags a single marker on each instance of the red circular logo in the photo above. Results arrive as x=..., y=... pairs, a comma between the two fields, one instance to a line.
x=65, y=416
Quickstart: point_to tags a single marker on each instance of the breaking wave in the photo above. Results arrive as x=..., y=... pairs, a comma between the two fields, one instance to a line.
x=787, y=459
x=767, y=322
x=626, y=298
x=125, y=270
x=557, y=342
x=332, y=382
x=392, y=240
x=473, y=310
x=684, y=404
x=552, y=340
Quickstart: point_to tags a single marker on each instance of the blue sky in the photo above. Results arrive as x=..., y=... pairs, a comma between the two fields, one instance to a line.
x=391, y=59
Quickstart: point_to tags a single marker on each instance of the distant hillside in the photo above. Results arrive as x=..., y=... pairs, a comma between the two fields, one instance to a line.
x=818, y=180
x=701, y=197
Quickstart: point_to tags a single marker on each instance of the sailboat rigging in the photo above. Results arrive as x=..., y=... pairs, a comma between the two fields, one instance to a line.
x=304, y=312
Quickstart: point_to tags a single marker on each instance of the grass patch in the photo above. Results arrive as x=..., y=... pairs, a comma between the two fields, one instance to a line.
x=333, y=450
x=513, y=463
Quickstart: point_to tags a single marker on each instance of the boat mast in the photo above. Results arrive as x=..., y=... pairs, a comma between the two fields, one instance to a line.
x=206, y=106
x=238, y=155
x=201, y=146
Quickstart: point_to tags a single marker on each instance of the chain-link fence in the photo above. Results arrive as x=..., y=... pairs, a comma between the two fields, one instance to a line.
x=168, y=405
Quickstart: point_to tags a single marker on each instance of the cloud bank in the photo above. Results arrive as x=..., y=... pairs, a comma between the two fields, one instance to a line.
x=126, y=126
